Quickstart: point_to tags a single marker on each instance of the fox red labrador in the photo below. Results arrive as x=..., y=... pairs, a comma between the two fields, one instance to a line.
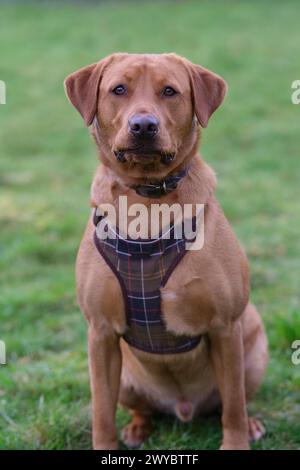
x=169, y=329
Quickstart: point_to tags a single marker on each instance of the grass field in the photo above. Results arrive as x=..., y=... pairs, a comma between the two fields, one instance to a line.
x=46, y=165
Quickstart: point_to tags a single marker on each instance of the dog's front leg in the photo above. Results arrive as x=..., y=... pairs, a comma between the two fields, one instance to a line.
x=105, y=369
x=228, y=359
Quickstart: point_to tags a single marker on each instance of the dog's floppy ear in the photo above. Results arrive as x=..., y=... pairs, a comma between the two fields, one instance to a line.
x=82, y=89
x=208, y=90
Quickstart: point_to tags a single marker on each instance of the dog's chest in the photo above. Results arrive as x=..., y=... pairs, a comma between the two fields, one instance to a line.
x=142, y=269
x=190, y=299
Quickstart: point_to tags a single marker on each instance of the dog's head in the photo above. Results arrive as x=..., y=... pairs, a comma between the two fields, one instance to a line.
x=145, y=108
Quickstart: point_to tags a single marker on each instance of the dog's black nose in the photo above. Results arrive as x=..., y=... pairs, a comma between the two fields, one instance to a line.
x=143, y=125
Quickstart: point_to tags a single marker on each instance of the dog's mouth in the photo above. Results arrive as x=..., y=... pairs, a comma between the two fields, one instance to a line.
x=144, y=156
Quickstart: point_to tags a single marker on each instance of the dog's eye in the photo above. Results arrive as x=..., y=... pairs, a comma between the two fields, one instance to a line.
x=169, y=91
x=119, y=90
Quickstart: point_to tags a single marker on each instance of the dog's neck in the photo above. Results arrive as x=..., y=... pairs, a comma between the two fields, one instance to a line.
x=196, y=187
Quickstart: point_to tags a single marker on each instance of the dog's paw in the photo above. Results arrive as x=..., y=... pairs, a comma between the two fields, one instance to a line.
x=109, y=445
x=256, y=429
x=235, y=446
x=134, y=434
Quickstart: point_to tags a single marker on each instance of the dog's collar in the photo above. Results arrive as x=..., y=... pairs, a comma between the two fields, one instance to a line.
x=160, y=188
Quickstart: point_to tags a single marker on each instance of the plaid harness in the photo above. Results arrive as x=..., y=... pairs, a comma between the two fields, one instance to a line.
x=142, y=267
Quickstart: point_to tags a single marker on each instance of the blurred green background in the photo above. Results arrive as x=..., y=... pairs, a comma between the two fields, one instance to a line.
x=46, y=164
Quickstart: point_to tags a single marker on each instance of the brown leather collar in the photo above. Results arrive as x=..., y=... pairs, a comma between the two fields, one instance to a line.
x=160, y=188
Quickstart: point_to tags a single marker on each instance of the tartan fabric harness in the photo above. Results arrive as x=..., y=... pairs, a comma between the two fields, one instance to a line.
x=142, y=267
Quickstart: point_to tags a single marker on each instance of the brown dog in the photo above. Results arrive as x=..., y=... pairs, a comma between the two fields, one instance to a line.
x=146, y=111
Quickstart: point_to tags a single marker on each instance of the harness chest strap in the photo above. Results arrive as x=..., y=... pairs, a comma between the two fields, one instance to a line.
x=142, y=267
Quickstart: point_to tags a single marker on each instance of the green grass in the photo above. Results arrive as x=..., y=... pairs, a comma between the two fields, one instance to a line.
x=46, y=165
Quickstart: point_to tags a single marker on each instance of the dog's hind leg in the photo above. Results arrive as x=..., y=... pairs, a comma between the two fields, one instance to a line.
x=256, y=360
x=140, y=426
